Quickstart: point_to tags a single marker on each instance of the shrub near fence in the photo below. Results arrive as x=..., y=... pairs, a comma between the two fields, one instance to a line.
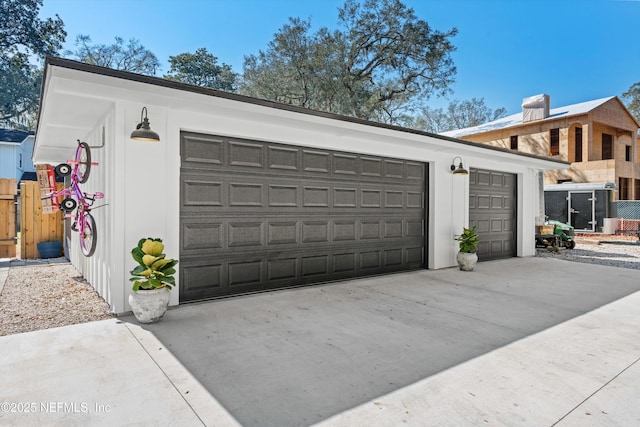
x=37, y=226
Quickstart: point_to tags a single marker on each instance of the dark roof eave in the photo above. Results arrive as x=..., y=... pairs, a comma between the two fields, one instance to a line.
x=157, y=81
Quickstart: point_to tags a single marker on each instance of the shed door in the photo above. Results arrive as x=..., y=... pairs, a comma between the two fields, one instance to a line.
x=257, y=215
x=492, y=209
x=581, y=210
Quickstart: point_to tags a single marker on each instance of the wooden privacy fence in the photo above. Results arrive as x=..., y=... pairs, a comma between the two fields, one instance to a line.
x=8, y=191
x=36, y=226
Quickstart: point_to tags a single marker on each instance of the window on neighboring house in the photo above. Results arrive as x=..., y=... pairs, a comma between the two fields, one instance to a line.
x=623, y=188
x=554, y=139
x=578, y=145
x=607, y=146
x=627, y=153
x=637, y=188
x=20, y=161
x=514, y=142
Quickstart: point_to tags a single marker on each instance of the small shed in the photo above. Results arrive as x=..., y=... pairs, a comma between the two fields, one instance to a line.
x=581, y=205
x=253, y=195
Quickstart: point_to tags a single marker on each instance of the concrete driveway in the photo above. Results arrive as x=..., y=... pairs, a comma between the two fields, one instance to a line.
x=303, y=356
x=518, y=342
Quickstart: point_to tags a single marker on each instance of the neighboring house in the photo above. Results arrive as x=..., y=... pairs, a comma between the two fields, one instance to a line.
x=253, y=195
x=598, y=137
x=16, y=147
x=25, y=167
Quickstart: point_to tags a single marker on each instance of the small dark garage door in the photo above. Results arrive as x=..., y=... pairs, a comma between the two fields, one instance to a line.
x=492, y=209
x=256, y=215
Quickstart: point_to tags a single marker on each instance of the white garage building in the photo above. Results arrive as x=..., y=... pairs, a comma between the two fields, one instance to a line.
x=252, y=195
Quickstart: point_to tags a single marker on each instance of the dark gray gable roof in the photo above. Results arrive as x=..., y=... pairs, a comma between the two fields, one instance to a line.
x=11, y=135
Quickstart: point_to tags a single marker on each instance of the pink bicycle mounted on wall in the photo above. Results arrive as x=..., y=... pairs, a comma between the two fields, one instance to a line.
x=74, y=198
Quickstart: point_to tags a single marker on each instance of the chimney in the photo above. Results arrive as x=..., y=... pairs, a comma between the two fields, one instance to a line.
x=535, y=108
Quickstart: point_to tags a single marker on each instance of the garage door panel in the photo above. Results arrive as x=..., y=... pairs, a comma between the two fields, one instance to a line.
x=243, y=234
x=482, y=178
x=282, y=232
x=246, y=154
x=414, y=255
x=369, y=260
x=316, y=161
x=415, y=171
x=344, y=263
x=415, y=200
x=370, y=229
x=315, y=231
x=496, y=202
x=393, y=169
x=202, y=236
x=371, y=198
x=282, y=269
x=202, y=279
x=202, y=151
x=257, y=216
x=482, y=226
x=371, y=167
x=393, y=199
x=247, y=273
x=492, y=209
x=345, y=197
x=393, y=228
x=314, y=265
x=345, y=164
x=392, y=257
x=243, y=194
x=281, y=195
x=314, y=197
x=283, y=158
x=345, y=230
x=414, y=228
x=198, y=192
x=497, y=179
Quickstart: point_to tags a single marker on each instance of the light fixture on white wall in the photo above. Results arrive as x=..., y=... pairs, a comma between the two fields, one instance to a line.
x=143, y=132
x=458, y=170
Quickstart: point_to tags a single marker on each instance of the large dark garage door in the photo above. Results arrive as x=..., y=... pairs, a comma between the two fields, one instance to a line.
x=492, y=209
x=256, y=215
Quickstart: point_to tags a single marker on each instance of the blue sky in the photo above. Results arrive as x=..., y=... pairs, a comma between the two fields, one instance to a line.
x=572, y=50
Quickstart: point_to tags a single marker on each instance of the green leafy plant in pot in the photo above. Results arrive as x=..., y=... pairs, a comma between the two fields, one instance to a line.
x=468, y=245
x=152, y=280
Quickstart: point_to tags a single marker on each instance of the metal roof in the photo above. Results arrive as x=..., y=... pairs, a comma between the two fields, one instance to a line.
x=516, y=119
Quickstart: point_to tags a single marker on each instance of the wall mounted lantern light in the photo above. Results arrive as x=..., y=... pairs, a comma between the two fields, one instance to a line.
x=458, y=170
x=143, y=132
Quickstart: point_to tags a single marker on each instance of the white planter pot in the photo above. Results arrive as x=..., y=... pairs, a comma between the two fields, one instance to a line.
x=466, y=261
x=149, y=305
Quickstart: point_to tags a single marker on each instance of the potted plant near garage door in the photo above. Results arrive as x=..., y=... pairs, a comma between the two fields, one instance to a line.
x=152, y=280
x=468, y=241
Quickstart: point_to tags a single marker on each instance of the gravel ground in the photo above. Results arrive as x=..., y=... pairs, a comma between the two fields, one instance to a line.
x=47, y=296
x=620, y=254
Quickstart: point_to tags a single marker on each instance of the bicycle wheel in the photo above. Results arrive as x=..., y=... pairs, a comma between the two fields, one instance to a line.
x=63, y=170
x=68, y=204
x=88, y=235
x=83, y=159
